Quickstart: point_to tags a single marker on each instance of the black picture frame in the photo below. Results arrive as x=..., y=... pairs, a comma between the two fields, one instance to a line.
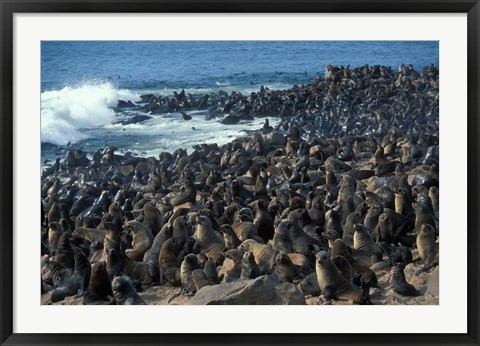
x=10, y=7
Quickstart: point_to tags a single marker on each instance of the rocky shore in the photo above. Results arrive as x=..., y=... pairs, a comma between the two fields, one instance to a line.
x=338, y=204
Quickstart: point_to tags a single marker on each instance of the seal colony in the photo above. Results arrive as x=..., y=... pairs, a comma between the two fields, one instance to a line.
x=336, y=204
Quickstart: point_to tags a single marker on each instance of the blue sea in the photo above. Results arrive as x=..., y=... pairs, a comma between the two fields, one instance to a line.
x=82, y=82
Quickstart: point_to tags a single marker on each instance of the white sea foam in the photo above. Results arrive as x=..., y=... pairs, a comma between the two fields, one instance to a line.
x=65, y=112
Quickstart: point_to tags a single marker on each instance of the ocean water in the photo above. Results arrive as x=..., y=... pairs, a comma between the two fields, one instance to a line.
x=82, y=82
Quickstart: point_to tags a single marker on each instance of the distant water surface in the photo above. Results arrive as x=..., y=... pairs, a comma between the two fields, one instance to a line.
x=83, y=80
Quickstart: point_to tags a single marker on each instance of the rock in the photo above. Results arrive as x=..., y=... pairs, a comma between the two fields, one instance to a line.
x=125, y=104
x=433, y=283
x=264, y=290
x=138, y=118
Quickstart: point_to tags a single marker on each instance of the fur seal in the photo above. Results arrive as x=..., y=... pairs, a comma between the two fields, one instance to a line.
x=77, y=283
x=189, y=264
x=144, y=272
x=169, y=264
x=207, y=241
x=246, y=230
x=236, y=257
x=142, y=239
x=427, y=247
x=124, y=293
x=229, y=237
x=263, y=221
x=200, y=279
x=151, y=255
x=211, y=271
x=400, y=284
x=91, y=234
x=189, y=193
x=333, y=284
x=99, y=290
x=250, y=268
x=363, y=241
x=264, y=255
x=284, y=268
x=152, y=218
x=340, y=249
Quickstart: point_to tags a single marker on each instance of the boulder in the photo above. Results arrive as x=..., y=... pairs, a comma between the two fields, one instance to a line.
x=433, y=283
x=264, y=290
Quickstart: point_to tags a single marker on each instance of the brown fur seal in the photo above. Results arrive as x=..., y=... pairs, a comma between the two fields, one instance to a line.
x=427, y=247
x=344, y=267
x=246, y=230
x=91, y=234
x=340, y=249
x=189, y=264
x=200, y=279
x=124, y=293
x=234, y=273
x=263, y=220
x=333, y=285
x=264, y=255
x=250, y=268
x=99, y=290
x=151, y=255
x=189, y=193
x=363, y=241
x=281, y=240
x=207, y=241
x=55, y=230
x=144, y=272
x=349, y=231
x=347, y=189
x=400, y=284
x=152, y=218
x=64, y=254
x=229, y=237
x=211, y=271
x=77, y=283
x=284, y=268
x=142, y=239
x=169, y=264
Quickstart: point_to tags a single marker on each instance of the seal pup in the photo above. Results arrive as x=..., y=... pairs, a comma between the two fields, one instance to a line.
x=333, y=284
x=400, y=284
x=124, y=293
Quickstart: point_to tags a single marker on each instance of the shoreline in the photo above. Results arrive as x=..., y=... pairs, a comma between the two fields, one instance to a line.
x=354, y=141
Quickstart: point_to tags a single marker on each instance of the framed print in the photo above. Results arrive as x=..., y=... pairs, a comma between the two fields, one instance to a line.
x=239, y=172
